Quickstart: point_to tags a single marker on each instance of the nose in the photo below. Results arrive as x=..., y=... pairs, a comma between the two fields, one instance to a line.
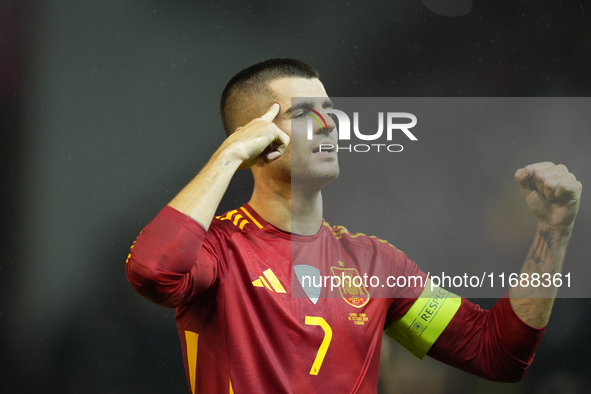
x=327, y=123
x=330, y=123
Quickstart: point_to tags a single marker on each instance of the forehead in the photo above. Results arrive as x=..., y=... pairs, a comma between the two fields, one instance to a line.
x=286, y=88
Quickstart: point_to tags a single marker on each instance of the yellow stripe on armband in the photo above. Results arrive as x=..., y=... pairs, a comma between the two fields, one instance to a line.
x=426, y=319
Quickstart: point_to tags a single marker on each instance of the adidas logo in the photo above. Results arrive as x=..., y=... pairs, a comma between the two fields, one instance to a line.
x=271, y=282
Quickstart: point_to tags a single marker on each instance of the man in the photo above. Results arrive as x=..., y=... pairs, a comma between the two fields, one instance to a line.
x=241, y=324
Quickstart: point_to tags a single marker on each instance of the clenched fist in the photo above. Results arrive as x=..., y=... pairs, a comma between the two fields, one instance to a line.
x=552, y=193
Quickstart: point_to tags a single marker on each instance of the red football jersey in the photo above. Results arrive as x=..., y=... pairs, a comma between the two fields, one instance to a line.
x=248, y=323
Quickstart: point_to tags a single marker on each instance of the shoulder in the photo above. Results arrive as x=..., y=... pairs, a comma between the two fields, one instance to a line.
x=347, y=237
x=373, y=251
x=238, y=220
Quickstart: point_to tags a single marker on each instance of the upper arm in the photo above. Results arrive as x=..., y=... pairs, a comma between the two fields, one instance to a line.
x=424, y=319
x=172, y=260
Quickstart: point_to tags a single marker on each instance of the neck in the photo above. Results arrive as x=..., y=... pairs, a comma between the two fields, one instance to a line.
x=296, y=211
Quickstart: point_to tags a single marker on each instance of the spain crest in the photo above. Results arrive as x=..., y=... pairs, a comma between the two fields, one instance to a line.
x=352, y=288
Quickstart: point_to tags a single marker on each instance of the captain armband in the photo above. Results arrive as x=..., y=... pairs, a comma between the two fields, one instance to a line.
x=426, y=319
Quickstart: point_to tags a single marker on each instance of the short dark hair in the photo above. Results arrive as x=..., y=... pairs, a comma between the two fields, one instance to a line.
x=247, y=95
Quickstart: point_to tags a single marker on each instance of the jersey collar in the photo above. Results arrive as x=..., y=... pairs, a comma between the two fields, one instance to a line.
x=263, y=224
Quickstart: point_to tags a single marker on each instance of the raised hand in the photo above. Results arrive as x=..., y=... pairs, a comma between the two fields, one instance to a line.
x=552, y=193
x=259, y=140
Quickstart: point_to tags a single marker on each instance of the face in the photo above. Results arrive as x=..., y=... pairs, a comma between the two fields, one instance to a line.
x=308, y=164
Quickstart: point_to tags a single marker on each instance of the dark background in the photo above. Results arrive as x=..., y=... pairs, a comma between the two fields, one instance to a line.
x=107, y=108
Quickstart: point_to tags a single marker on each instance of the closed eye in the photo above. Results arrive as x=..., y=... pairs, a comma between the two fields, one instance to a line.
x=299, y=115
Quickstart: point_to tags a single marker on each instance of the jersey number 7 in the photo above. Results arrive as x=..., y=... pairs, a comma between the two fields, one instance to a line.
x=319, y=321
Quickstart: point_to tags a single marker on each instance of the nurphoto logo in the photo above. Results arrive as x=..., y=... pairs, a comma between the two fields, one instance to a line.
x=344, y=130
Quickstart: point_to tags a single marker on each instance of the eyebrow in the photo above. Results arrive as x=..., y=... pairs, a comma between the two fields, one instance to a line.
x=308, y=104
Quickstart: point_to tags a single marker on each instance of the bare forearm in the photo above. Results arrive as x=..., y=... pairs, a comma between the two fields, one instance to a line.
x=201, y=197
x=242, y=149
x=546, y=255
